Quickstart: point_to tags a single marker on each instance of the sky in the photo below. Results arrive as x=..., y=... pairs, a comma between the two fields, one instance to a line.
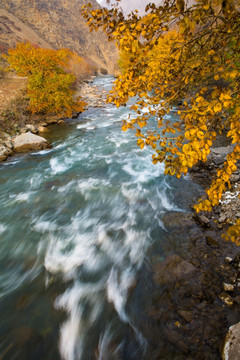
x=130, y=5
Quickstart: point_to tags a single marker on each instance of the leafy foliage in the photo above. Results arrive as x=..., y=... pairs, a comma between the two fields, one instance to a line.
x=79, y=67
x=49, y=86
x=178, y=52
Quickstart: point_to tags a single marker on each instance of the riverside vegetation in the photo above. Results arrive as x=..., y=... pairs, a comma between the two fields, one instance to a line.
x=49, y=79
x=49, y=85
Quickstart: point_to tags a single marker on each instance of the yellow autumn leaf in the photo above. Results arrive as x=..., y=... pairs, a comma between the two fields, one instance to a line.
x=217, y=107
x=234, y=74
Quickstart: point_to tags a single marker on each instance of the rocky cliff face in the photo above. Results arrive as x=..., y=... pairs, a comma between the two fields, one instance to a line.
x=58, y=23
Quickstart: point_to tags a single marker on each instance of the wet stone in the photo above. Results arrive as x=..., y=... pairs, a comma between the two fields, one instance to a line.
x=202, y=220
x=212, y=242
x=172, y=269
x=174, y=338
x=186, y=315
x=61, y=122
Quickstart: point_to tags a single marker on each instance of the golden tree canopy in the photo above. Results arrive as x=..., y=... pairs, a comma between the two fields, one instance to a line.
x=49, y=86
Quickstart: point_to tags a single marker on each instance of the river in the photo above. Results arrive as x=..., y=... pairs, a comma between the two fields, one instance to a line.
x=78, y=224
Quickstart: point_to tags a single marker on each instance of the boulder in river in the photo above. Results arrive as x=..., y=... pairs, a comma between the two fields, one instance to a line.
x=231, y=349
x=29, y=141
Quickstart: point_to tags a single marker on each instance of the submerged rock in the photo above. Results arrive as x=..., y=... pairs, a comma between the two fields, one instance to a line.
x=231, y=349
x=212, y=242
x=29, y=141
x=172, y=269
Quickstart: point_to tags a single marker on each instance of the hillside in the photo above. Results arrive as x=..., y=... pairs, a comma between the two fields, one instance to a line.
x=56, y=24
x=13, y=30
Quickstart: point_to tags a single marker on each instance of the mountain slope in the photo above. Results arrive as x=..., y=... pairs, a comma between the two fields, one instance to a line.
x=59, y=24
x=13, y=30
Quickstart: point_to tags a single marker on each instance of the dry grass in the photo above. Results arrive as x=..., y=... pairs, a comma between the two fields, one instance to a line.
x=13, y=105
x=10, y=89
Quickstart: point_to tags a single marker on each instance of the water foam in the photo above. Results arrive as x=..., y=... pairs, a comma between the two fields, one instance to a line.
x=2, y=228
x=58, y=166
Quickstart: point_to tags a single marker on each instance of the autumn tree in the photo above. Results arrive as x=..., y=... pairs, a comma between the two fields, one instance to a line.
x=79, y=67
x=180, y=51
x=49, y=85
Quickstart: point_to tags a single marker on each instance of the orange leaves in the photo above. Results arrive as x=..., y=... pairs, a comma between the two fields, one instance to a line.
x=217, y=107
x=233, y=233
x=141, y=143
x=78, y=66
x=48, y=84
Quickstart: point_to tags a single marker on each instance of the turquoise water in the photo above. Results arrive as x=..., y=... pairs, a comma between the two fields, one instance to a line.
x=76, y=226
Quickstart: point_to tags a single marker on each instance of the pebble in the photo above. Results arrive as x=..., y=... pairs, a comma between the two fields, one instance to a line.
x=228, y=287
x=226, y=299
x=202, y=220
x=228, y=260
x=222, y=218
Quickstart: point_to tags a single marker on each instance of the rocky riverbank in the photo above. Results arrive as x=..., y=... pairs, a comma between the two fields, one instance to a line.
x=200, y=320
x=27, y=138
x=195, y=293
x=228, y=211
x=93, y=96
x=37, y=125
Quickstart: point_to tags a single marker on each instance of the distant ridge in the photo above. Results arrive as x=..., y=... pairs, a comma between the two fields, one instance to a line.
x=56, y=24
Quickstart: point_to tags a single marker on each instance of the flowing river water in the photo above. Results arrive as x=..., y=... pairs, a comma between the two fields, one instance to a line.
x=78, y=224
